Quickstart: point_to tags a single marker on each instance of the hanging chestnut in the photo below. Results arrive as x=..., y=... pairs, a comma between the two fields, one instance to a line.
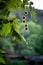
x=31, y=3
x=26, y=12
x=24, y=21
x=23, y=17
x=26, y=28
x=25, y=25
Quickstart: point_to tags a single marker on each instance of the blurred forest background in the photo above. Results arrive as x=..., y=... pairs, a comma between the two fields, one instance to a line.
x=32, y=43
x=34, y=34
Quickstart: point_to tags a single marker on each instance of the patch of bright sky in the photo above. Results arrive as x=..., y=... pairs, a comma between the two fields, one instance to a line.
x=38, y=4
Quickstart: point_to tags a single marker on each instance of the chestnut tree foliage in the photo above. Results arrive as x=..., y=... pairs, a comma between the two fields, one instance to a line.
x=9, y=27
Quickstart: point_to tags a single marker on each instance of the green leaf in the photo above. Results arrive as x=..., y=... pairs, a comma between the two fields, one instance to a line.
x=2, y=60
x=25, y=2
x=2, y=51
x=6, y=29
x=0, y=0
x=16, y=35
x=33, y=14
x=15, y=24
x=14, y=4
